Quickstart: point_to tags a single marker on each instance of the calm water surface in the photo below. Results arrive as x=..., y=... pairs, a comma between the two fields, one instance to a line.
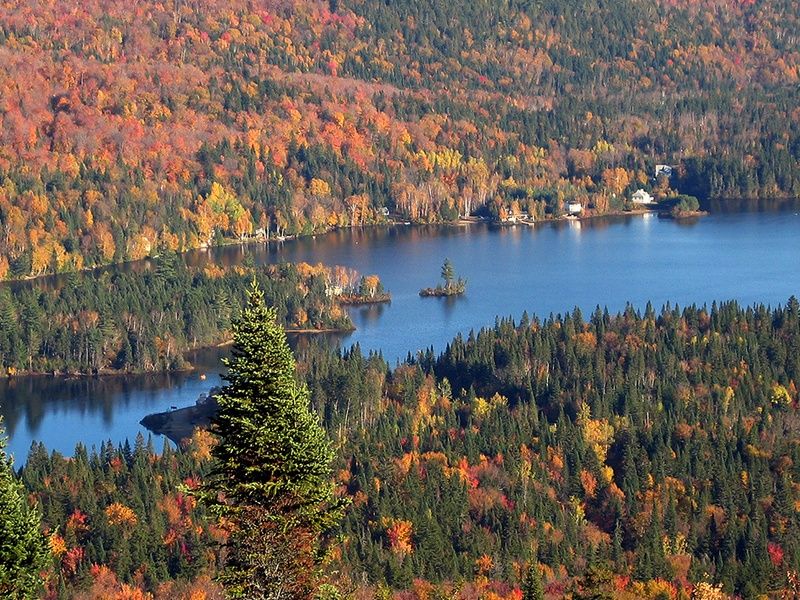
x=749, y=257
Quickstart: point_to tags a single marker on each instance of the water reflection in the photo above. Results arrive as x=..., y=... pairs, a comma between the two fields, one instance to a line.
x=740, y=205
x=63, y=411
x=369, y=313
x=688, y=222
x=449, y=305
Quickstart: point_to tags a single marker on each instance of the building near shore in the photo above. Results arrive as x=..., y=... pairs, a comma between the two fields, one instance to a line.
x=574, y=208
x=642, y=197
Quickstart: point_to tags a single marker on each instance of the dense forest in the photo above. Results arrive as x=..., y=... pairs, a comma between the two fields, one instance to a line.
x=146, y=320
x=129, y=128
x=646, y=455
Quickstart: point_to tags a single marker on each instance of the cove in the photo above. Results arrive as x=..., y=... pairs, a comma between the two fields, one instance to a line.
x=548, y=268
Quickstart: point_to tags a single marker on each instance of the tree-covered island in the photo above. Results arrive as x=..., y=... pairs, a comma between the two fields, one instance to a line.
x=369, y=291
x=451, y=287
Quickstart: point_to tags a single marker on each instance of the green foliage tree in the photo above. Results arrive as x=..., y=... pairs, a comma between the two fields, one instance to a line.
x=24, y=550
x=596, y=584
x=448, y=272
x=146, y=320
x=684, y=204
x=272, y=481
x=480, y=457
x=532, y=588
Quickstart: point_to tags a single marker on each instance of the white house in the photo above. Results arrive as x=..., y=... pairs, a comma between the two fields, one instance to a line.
x=641, y=197
x=665, y=170
x=574, y=208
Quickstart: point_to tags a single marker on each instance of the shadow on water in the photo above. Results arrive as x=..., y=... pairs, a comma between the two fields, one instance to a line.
x=63, y=411
x=29, y=398
x=449, y=304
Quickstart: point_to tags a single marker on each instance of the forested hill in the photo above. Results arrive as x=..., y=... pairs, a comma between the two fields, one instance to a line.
x=637, y=456
x=132, y=126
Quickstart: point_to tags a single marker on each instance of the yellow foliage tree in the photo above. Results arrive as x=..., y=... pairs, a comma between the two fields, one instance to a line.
x=119, y=514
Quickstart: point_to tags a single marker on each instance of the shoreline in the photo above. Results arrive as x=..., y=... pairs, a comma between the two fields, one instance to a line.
x=394, y=221
x=684, y=215
x=180, y=423
x=565, y=218
x=227, y=242
x=390, y=222
x=356, y=301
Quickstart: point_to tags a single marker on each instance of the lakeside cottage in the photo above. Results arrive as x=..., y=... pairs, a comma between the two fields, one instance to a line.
x=514, y=218
x=642, y=197
x=574, y=208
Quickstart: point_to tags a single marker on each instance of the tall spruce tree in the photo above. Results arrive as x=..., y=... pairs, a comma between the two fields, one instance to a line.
x=272, y=480
x=532, y=588
x=448, y=272
x=24, y=550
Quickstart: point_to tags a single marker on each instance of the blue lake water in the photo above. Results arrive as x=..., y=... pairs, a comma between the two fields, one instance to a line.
x=548, y=268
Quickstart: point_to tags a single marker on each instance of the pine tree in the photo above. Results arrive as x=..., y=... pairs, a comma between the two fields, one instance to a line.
x=532, y=585
x=24, y=550
x=448, y=272
x=272, y=481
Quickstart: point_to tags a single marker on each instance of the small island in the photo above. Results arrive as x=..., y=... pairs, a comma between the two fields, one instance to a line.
x=451, y=287
x=681, y=206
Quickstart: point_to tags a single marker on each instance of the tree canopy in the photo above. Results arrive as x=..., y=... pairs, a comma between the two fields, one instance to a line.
x=640, y=455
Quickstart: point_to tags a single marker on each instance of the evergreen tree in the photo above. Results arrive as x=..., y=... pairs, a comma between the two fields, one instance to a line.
x=24, y=551
x=448, y=272
x=272, y=479
x=532, y=585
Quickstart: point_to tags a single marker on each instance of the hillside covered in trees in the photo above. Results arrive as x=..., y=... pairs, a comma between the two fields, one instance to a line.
x=129, y=128
x=643, y=455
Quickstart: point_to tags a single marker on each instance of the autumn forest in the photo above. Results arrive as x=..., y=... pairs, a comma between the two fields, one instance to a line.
x=131, y=128
x=645, y=454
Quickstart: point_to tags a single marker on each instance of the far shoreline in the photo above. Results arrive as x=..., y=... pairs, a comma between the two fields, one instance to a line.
x=743, y=205
x=278, y=240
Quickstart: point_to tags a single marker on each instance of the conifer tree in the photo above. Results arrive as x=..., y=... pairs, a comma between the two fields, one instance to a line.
x=24, y=550
x=272, y=480
x=448, y=272
x=532, y=588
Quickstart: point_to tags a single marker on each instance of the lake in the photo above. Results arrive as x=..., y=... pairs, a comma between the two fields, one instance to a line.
x=548, y=268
